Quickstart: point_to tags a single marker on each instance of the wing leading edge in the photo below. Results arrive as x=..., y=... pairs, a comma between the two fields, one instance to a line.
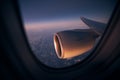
x=98, y=27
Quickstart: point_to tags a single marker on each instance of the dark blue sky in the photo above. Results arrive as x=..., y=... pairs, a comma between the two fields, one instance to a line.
x=52, y=10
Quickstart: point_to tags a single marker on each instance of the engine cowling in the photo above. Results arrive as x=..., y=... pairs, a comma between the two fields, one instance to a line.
x=72, y=43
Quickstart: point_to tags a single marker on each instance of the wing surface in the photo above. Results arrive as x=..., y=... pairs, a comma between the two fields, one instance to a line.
x=98, y=27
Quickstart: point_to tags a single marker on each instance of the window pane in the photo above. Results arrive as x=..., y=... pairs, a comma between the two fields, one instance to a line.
x=43, y=18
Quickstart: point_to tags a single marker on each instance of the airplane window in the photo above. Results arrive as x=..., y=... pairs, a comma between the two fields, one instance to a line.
x=64, y=32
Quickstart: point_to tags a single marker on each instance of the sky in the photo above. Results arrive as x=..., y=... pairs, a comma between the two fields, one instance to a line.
x=43, y=11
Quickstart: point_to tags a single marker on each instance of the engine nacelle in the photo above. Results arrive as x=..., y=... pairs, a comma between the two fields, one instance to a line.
x=72, y=43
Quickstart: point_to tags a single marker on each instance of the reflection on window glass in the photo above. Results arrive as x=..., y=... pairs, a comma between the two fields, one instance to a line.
x=64, y=32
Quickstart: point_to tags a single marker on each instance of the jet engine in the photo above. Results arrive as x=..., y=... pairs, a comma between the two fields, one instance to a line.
x=72, y=43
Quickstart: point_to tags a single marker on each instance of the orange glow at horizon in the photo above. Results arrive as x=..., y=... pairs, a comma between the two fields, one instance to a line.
x=56, y=24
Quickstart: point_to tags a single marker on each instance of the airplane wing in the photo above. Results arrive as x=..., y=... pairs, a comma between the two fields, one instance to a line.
x=98, y=27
